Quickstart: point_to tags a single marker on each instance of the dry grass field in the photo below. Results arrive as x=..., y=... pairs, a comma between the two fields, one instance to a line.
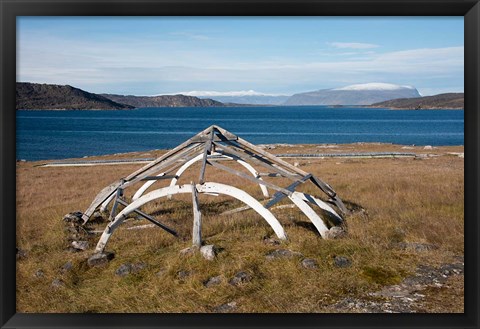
x=407, y=219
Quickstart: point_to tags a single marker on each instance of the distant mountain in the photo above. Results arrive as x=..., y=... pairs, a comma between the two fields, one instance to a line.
x=245, y=97
x=251, y=100
x=33, y=96
x=361, y=94
x=163, y=101
x=441, y=101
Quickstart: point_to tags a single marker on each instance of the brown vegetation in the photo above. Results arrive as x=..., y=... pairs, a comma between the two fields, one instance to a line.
x=394, y=201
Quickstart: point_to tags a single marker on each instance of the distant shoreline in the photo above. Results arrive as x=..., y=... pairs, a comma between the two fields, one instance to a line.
x=282, y=149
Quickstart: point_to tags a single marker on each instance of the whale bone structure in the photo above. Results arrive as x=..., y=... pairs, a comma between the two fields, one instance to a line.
x=210, y=147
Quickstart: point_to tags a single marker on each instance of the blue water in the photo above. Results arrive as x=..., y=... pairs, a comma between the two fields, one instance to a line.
x=43, y=135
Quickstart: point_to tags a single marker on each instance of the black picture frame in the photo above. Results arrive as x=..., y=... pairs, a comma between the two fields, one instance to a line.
x=10, y=9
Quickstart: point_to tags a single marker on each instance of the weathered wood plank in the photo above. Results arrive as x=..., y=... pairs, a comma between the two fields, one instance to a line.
x=277, y=197
x=115, y=204
x=230, y=151
x=271, y=157
x=206, y=152
x=250, y=178
x=150, y=219
x=101, y=197
x=166, y=164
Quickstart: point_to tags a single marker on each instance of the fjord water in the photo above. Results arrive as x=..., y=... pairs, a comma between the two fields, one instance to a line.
x=43, y=135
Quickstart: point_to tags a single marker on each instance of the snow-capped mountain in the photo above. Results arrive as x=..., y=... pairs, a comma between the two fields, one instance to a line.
x=358, y=94
x=240, y=97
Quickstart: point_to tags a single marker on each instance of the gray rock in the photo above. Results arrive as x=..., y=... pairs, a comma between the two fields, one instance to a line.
x=80, y=245
x=240, y=278
x=66, y=267
x=21, y=254
x=39, y=274
x=309, y=263
x=213, y=281
x=124, y=269
x=271, y=241
x=100, y=259
x=340, y=261
x=417, y=247
x=225, y=308
x=182, y=275
x=335, y=232
x=57, y=284
x=208, y=252
x=129, y=268
x=73, y=250
x=282, y=253
x=73, y=217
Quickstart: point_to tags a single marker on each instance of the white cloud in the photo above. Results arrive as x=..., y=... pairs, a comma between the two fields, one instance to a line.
x=353, y=45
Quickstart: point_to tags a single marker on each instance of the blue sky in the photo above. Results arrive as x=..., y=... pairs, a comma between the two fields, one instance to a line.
x=272, y=55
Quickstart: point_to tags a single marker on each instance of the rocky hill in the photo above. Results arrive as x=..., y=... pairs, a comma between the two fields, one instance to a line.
x=33, y=96
x=163, y=101
x=361, y=94
x=441, y=101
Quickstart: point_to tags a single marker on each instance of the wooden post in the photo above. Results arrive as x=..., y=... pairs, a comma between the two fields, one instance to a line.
x=197, y=219
x=113, y=213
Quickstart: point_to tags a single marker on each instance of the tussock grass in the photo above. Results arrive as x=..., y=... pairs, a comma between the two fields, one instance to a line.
x=394, y=201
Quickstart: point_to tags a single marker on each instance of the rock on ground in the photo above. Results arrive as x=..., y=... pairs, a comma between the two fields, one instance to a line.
x=309, y=263
x=66, y=267
x=80, y=245
x=182, y=275
x=129, y=268
x=341, y=261
x=208, y=252
x=282, y=253
x=213, y=281
x=271, y=241
x=21, y=254
x=100, y=259
x=240, y=278
x=335, y=232
x=225, y=308
x=415, y=246
x=75, y=217
x=57, y=283
x=404, y=297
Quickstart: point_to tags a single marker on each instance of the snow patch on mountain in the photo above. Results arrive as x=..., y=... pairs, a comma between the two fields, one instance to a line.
x=374, y=86
x=198, y=93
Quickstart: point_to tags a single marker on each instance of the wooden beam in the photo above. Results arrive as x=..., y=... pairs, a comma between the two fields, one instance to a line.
x=103, y=195
x=230, y=151
x=179, y=148
x=161, y=166
x=277, y=197
x=207, y=150
x=150, y=219
x=155, y=178
x=250, y=178
x=271, y=157
x=115, y=204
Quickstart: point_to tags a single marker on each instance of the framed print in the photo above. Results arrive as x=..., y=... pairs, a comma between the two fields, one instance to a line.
x=239, y=164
